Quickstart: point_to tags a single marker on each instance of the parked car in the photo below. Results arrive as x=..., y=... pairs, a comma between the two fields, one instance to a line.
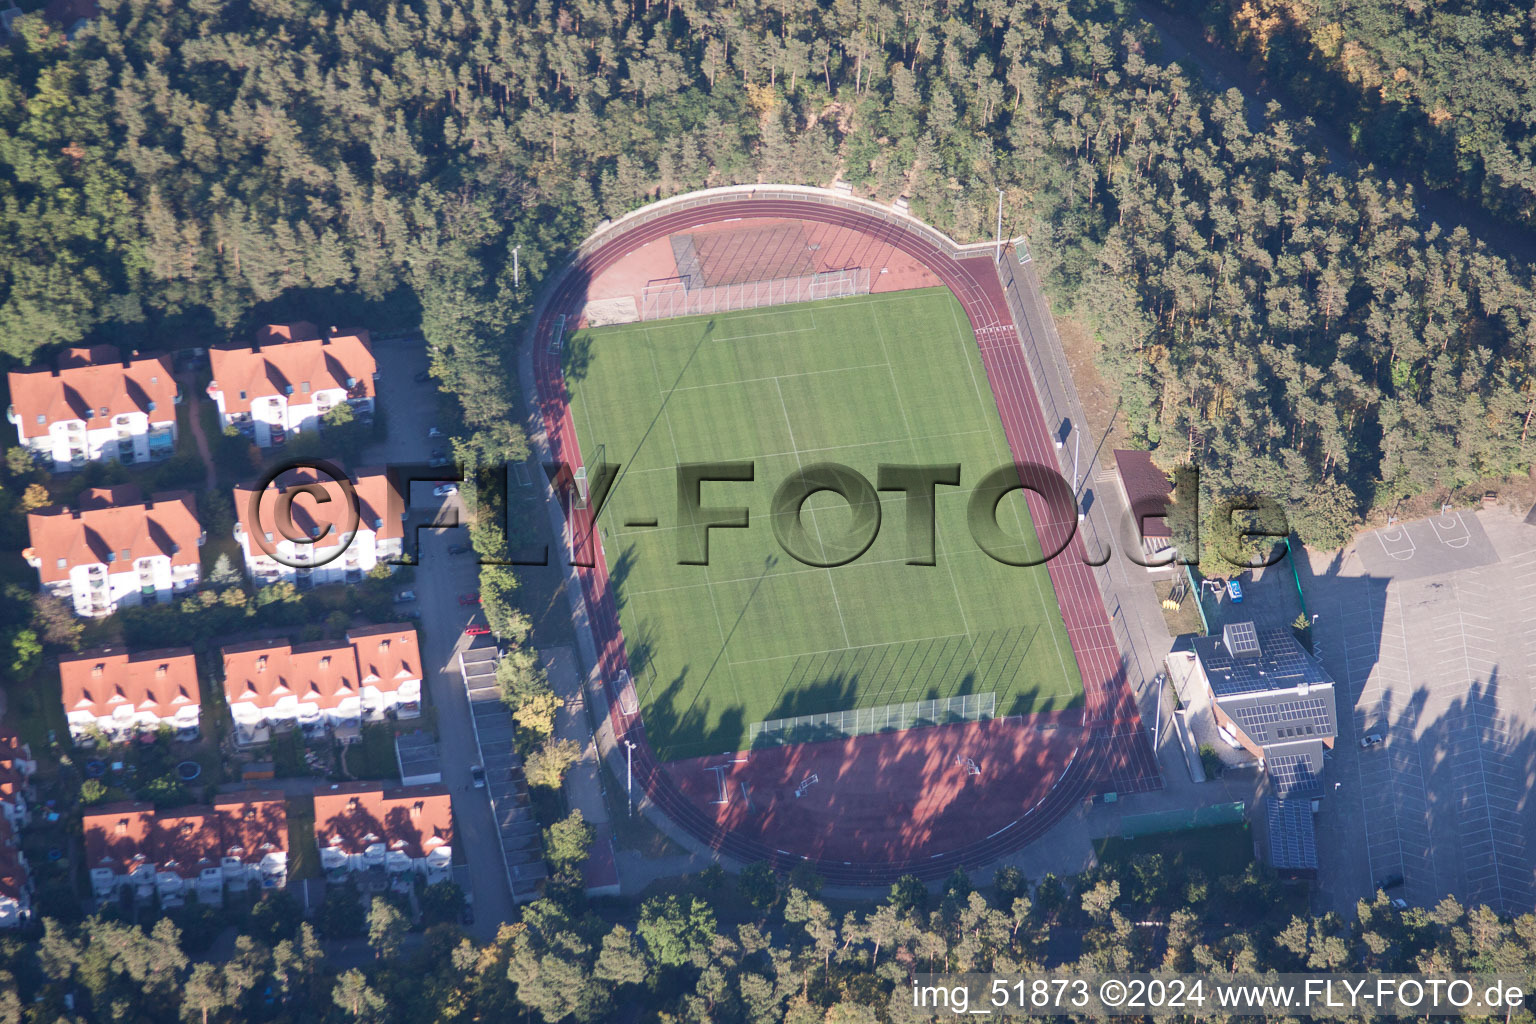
x=1400, y=903
x=469, y=599
x=424, y=377
x=438, y=458
x=444, y=490
x=434, y=432
x=1367, y=742
x=477, y=776
x=1390, y=882
x=405, y=597
x=477, y=631
x=468, y=915
x=458, y=549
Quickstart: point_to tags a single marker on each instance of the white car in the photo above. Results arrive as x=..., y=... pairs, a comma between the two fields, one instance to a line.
x=405, y=597
x=444, y=490
x=1367, y=742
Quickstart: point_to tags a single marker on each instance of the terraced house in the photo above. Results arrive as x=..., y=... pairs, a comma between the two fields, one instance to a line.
x=96, y=406
x=385, y=835
x=239, y=842
x=323, y=685
x=115, y=548
x=15, y=879
x=290, y=378
x=17, y=766
x=346, y=539
x=124, y=694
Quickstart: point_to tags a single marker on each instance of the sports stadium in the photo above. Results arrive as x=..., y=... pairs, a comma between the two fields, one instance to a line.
x=921, y=705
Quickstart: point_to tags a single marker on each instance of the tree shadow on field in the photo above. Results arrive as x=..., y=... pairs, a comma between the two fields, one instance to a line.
x=678, y=724
x=576, y=357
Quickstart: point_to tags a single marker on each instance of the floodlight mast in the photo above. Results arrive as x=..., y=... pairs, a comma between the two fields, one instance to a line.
x=999, y=257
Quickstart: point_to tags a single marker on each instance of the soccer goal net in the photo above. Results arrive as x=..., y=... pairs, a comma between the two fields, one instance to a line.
x=969, y=707
x=683, y=296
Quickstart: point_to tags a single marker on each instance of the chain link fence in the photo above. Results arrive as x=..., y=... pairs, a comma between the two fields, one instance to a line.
x=836, y=725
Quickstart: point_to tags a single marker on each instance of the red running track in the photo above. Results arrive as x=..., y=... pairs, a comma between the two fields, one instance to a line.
x=1109, y=747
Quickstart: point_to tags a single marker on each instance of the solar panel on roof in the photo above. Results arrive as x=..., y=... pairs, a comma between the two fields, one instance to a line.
x=1294, y=774
x=1281, y=664
x=1292, y=840
x=1241, y=639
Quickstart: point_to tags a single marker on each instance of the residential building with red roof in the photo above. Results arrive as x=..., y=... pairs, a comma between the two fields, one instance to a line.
x=94, y=406
x=276, y=684
x=125, y=693
x=389, y=668
x=289, y=378
x=117, y=848
x=348, y=534
x=15, y=880
x=394, y=832
x=254, y=830
x=187, y=849
x=17, y=767
x=194, y=850
x=114, y=548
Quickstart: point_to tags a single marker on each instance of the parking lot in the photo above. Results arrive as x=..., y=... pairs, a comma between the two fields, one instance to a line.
x=1430, y=631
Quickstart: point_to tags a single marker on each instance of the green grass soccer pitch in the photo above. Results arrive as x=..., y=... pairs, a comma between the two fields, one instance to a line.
x=757, y=635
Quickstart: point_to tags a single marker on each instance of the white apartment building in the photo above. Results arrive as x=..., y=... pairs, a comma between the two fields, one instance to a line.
x=322, y=685
x=397, y=832
x=343, y=549
x=96, y=406
x=238, y=843
x=290, y=378
x=126, y=694
x=115, y=549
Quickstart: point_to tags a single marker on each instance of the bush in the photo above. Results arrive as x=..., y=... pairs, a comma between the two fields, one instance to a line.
x=1211, y=761
x=441, y=903
x=341, y=915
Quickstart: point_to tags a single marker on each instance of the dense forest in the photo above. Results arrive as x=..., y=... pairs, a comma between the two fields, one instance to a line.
x=1445, y=92
x=750, y=949
x=178, y=171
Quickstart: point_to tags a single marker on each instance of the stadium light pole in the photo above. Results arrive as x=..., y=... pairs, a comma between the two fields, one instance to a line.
x=999, y=226
x=629, y=776
x=1077, y=445
x=515, y=282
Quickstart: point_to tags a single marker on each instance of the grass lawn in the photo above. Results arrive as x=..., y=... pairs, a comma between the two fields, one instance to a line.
x=756, y=634
x=373, y=757
x=1217, y=851
x=303, y=858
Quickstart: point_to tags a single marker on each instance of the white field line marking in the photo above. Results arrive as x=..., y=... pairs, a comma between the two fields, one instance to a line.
x=833, y=586
x=987, y=411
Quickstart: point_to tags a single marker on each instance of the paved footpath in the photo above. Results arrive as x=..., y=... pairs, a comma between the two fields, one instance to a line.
x=584, y=782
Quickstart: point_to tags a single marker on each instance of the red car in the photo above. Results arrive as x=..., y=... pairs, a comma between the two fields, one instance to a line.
x=469, y=599
x=477, y=630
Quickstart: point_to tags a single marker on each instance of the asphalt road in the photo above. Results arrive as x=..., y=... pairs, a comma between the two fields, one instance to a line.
x=410, y=410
